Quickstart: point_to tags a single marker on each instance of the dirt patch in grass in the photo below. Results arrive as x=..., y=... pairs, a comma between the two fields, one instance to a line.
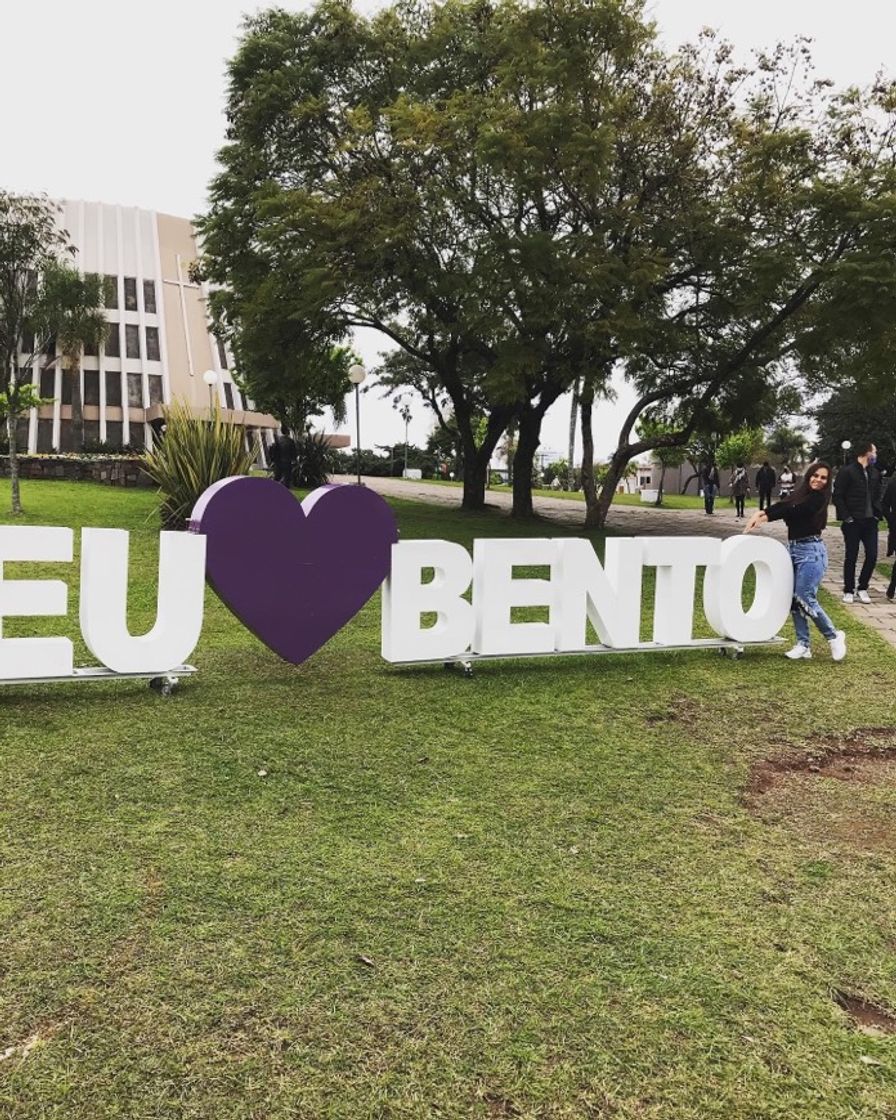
x=840, y=791
x=854, y=757
x=680, y=709
x=867, y=1017
x=499, y=1106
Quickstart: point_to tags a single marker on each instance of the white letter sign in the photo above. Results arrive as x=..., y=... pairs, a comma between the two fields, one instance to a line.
x=34, y=657
x=406, y=597
x=774, y=589
x=104, y=598
x=579, y=589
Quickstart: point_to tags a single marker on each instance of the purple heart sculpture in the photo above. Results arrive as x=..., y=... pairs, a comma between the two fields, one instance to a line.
x=294, y=574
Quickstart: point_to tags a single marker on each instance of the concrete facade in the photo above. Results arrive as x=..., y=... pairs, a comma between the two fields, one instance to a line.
x=158, y=345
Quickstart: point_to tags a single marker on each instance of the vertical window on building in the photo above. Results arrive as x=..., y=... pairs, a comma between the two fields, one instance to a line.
x=22, y=434
x=50, y=347
x=91, y=349
x=113, y=432
x=130, y=293
x=27, y=343
x=149, y=297
x=222, y=353
x=68, y=377
x=138, y=435
x=91, y=386
x=44, y=436
x=155, y=390
x=110, y=285
x=135, y=390
x=152, y=344
x=132, y=340
x=91, y=432
x=113, y=388
x=48, y=383
x=228, y=394
x=113, y=341
x=66, y=442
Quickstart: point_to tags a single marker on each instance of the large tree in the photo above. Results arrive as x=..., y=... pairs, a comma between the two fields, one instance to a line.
x=796, y=184
x=415, y=172
x=43, y=300
x=523, y=196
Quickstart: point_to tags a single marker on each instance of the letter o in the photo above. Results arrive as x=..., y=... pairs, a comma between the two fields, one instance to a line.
x=723, y=589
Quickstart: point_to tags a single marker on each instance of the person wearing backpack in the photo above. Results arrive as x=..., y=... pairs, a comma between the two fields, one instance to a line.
x=740, y=488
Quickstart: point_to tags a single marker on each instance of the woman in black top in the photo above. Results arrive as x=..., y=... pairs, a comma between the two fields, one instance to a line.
x=805, y=513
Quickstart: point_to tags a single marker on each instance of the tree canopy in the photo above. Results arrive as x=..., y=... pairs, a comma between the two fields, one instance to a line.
x=523, y=197
x=43, y=300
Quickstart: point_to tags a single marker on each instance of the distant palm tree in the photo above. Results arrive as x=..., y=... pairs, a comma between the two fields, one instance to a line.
x=72, y=309
x=790, y=445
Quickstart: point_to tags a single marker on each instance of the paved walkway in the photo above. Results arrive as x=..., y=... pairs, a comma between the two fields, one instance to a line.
x=879, y=614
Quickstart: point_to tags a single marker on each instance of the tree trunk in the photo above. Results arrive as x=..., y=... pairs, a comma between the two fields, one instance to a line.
x=589, y=486
x=523, y=460
x=477, y=459
x=11, y=418
x=659, y=494
x=77, y=407
x=596, y=516
x=475, y=477
x=573, y=417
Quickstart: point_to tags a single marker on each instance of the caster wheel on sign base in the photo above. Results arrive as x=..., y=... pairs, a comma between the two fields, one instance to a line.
x=164, y=685
x=468, y=669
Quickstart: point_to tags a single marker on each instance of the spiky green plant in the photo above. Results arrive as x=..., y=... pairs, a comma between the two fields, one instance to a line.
x=192, y=454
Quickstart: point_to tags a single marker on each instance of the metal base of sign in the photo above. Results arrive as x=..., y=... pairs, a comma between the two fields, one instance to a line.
x=163, y=683
x=726, y=647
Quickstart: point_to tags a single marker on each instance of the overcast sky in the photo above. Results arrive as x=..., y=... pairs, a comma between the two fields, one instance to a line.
x=122, y=103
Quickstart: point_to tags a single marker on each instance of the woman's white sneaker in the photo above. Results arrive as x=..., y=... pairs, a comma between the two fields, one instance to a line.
x=800, y=650
x=838, y=646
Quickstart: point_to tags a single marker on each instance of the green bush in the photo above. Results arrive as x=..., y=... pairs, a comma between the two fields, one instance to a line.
x=316, y=461
x=191, y=456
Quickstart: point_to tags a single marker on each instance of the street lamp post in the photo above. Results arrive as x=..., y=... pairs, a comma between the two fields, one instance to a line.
x=210, y=377
x=356, y=374
x=845, y=446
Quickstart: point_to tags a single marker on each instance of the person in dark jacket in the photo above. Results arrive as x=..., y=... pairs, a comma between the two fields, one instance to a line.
x=709, y=481
x=888, y=508
x=765, y=484
x=283, y=457
x=805, y=513
x=857, y=499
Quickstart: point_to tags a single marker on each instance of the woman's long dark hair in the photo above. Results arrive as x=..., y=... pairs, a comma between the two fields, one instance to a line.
x=803, y=491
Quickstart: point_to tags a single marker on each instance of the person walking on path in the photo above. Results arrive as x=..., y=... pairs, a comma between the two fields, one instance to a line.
x=805, y=513
x=857, y=500
x=888, y=508
x=709, y=480
x=740, y=488
x=765, y=484
x=786, y=481
x=283, y=457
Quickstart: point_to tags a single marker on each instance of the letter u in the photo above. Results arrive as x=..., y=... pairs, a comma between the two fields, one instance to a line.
x=104, y=601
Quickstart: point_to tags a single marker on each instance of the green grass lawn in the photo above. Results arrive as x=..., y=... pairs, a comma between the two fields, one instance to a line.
x=347, y=890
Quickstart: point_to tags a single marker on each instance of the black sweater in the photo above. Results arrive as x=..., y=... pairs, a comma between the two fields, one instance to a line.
x=801, y=517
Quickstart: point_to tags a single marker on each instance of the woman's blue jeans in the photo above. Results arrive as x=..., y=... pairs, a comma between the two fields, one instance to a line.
x=810, y=562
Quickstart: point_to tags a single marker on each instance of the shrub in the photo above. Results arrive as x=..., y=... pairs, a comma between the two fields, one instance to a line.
x=316, y=461
x=190, y=456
